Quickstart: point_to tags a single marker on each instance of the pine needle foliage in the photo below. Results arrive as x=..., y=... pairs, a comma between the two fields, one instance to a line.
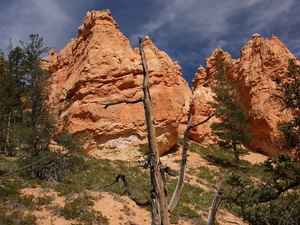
x=233, y=129
x=27, y=124
x=274, y=200
x=289, y=96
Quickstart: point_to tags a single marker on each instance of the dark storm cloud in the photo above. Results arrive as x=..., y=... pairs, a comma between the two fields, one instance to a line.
x=188, y=30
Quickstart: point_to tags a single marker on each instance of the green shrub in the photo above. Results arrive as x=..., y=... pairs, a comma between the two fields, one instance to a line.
x=9, y=188
x=44, y=200
x=27, y=201
x=81, y=210
x=73, y=209
x=17, y=218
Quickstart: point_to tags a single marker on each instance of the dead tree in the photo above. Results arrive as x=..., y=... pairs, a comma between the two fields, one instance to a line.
x=158, y=198
x=158, y=193
x=180, y=182
x=215, y=205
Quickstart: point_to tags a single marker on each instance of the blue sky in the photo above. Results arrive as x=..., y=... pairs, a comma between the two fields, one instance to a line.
x=187, y=30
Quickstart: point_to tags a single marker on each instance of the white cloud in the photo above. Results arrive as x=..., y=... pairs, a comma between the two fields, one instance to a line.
x=51, y=19
x=49, y=12
x=188, y=30
x=25, y=17
x=197, y=27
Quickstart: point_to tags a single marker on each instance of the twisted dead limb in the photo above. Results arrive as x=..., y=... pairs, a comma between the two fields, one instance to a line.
x=131, y=195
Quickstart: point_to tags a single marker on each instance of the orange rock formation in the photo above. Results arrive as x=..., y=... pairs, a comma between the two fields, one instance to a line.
x=260, y=61
x=99, y=67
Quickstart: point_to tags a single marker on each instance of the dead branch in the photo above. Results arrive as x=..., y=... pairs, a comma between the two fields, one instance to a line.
x=167, y=170
x=202, y=122
x=122, y=101
x=47, y=161
x=23, y=168
x=127, y=189
x=215, y=205
x=180, y=182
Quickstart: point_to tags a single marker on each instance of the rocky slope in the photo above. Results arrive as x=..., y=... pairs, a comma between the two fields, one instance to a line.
x=100, y=66
x=260, y=61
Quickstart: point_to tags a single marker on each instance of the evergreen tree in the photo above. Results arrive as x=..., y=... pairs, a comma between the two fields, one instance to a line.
x=233, y=128
x=289, y=96
x=37, y=119
x=272, y=201
x=3, y=103
x=25, y=117
x=275, y=200
x=10, y=93
x=26, y=122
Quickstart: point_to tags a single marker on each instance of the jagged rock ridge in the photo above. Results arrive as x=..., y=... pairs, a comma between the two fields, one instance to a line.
x=260, y=61
x=100, y=66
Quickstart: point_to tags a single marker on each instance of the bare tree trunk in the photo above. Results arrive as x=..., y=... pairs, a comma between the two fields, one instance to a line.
x=180, y=182
x=160, y=214
x=6, y=148
x=214, y=207
x=237, y=156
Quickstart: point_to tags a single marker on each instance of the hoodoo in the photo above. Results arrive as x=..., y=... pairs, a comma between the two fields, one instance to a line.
x=261, y=60
x=99, y=67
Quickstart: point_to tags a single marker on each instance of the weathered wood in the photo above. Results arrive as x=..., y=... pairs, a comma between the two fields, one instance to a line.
x=215, y=205
x=122, y=101
x=180, y=182
x=130, y=193
x=159, y=205
x=6, y=148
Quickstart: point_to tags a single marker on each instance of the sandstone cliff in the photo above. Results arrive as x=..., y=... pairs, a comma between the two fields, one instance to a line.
x=260, y=61
x=100, y=66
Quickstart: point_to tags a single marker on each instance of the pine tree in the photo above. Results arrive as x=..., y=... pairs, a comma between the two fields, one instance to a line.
x=37, y=118
x=233, y=128
x=275, y=200
x=25, y=114
x=10, y=92
x=26, y=123
x=289, y=96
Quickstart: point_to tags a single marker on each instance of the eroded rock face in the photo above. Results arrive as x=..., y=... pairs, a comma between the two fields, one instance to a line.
x=260, y=61
x=201, y=109
x=99, y=67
